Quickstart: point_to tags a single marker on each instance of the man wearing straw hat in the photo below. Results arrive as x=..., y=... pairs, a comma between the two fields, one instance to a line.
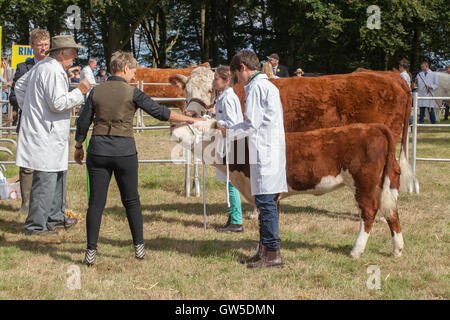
x=43, y=145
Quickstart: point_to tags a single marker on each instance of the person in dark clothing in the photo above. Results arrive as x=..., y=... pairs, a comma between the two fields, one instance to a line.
x=112, y=149
x=278, y=69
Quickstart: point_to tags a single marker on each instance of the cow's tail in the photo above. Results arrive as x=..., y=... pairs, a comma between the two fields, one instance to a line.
x=391, y=178
x=407, y=175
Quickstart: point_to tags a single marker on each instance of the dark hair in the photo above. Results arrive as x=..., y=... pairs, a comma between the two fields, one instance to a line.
x=425, y=62
x=247, y=57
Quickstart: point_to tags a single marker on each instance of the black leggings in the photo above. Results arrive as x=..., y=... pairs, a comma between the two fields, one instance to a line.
x=125, y=170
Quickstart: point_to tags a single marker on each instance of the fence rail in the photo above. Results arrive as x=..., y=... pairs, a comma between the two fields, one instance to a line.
x=139, y=127
x=415, y=126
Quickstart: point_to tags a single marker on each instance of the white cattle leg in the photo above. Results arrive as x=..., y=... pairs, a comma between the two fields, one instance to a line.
x=396, y=232
x=361, y=242
x=254, y=214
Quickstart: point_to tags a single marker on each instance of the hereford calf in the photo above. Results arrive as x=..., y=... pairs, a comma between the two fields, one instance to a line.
x=360, y=156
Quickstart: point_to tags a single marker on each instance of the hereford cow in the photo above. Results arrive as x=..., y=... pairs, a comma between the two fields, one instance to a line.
x=360, y=156
x=157, y=75
x=324, y=102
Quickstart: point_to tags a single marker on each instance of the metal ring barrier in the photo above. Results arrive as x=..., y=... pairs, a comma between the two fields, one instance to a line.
x=140, y=127
x=415, y=125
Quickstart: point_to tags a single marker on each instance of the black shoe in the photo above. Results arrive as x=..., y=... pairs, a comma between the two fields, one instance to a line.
x=232, y=228
x=48, y=233
x=89, y=257
x=66, y=224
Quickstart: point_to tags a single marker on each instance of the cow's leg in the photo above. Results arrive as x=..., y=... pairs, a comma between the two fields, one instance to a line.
x=396, y=233
x=367, y=219
x=254, y=214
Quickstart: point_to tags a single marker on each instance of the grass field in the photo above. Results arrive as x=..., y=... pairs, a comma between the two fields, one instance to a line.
x=184, y=262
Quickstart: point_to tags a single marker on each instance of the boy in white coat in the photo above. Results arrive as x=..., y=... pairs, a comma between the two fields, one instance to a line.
x=264, y=126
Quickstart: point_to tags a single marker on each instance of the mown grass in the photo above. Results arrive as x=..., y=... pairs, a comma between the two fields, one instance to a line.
x=184, y=262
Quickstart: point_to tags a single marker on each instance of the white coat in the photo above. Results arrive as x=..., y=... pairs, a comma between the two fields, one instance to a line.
x=430, y=80
x=264, y=126
x=228, y=113
x=44, y=98
x=87, y=73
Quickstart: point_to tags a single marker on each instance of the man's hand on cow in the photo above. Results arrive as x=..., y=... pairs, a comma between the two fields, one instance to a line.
x=84, y=86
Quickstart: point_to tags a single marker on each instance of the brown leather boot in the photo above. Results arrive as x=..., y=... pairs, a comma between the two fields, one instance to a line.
x=270, y=259
x=26, y=180
x=257, y=256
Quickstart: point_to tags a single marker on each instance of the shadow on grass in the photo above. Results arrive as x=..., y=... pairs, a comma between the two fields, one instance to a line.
x=219, y=208
x=220, y=248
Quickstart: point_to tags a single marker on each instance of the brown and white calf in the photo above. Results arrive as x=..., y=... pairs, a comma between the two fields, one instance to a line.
x=360, y=156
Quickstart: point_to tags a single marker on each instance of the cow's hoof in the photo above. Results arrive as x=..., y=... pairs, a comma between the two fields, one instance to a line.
x=397, y=253
x=355, y=255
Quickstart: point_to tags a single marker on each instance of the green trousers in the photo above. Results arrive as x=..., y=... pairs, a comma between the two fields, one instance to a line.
x=235, y=210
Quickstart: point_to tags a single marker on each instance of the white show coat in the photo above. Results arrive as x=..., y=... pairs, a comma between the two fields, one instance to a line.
x=87, y=73
x=265, y=128
x=228, y=113
x=431, y=81
x=44, y=98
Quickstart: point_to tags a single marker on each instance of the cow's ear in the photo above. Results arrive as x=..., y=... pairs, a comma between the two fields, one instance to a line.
x=178, y=81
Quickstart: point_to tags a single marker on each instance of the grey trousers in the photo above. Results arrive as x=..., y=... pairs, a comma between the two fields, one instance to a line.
x=47, y=201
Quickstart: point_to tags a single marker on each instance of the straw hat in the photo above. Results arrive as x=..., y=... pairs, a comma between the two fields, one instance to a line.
x=63, y=41
x=299, y=70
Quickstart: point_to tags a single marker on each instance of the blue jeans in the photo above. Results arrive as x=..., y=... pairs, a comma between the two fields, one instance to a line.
x=431, y=113
x=4, y=106
x=269, y=228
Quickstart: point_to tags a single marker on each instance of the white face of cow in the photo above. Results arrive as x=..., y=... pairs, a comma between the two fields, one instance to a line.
x=200, y=137
x=198, y=87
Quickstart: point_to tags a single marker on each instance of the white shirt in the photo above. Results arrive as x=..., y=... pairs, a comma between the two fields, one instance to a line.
x=430, y=80
x=228, y=113
x=44, y=98
x=87, y=73
x=406, y=77
x=264, y=126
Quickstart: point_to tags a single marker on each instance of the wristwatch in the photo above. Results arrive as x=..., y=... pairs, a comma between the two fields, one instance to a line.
x=79, y=148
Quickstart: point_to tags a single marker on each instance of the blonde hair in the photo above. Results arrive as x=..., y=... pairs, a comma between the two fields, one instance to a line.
x=120, y=59
x=225, y=73
x=268, y=70
x=39, y=34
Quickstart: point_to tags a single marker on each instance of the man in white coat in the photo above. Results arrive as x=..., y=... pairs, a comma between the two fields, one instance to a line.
x=427, y=84
x=43, y=145
x=88, y=71
x=264, y=127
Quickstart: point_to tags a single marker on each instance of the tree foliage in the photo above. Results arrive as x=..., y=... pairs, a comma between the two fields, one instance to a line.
x=317, y=35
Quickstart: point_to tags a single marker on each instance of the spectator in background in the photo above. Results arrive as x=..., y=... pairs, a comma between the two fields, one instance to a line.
x=88, y=71
x=43, y=143
x=278, y=69
x=267, y=69
x=427, y=84
x=403, y=68
x=74, y=74
x=447, y=106
x=102, y=75
x=6, y=80
x=299, y=72
x=40, y=43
